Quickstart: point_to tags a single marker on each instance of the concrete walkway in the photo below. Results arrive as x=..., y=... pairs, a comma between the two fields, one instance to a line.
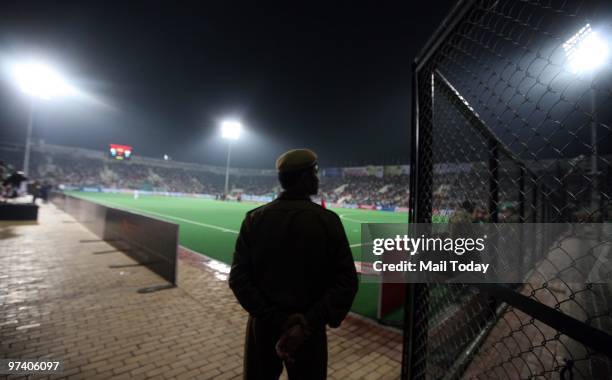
x=59, y=300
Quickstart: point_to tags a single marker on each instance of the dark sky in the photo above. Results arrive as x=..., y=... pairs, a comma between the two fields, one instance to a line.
x=333, y=76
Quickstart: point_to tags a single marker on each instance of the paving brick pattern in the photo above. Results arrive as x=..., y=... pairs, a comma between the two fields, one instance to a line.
x=59, y=300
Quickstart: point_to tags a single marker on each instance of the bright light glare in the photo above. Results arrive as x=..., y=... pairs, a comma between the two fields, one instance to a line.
x=231, y=130
x=40, y=80
x=586, y=50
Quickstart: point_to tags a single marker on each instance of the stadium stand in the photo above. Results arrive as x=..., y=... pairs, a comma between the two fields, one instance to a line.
x=83, y=168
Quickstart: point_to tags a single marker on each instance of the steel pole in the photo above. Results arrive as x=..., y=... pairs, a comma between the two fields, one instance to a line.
x=227, y=166
x=594, y=155
x=28, y=143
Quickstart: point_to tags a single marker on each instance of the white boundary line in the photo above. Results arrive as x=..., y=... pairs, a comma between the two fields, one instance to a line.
x=145, y=212
x=342, y=216
x=174, y=218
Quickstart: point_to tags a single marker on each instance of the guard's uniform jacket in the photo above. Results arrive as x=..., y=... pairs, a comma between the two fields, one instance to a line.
x=292, y=256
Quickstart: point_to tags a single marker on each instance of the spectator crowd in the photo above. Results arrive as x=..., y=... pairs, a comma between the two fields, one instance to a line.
x=450, y=188
x=88, y=172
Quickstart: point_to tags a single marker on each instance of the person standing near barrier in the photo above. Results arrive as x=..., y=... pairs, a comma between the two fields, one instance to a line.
x=294, y=273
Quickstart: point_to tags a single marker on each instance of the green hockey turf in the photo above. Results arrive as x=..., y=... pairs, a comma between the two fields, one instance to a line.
x=210, y=227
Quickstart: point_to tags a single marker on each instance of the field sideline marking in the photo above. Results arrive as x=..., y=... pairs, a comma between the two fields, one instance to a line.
x=342, y=216
x=177, y=218
x=193, y=222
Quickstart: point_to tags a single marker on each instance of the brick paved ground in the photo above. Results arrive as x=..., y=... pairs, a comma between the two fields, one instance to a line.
x=60, y=300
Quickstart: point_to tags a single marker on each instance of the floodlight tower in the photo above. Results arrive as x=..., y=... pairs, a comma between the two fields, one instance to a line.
x=38, y=81
x=586, y=53
x=230, y=130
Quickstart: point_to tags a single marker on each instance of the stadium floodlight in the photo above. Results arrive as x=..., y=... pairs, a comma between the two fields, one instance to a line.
x=586, y=50
x=230, y=130
x=38, y=80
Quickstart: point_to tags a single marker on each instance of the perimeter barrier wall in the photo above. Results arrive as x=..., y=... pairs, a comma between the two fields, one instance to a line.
x=151, y=242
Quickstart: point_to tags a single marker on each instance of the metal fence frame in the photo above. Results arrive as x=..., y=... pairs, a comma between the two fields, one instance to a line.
x=420, y=203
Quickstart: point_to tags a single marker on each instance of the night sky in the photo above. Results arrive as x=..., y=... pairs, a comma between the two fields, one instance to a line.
x=161, y=75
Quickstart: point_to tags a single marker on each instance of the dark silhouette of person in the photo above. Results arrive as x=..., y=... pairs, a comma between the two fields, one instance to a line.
x=35, y=190
x=13, y=182
x=44, y=191
x=294, y=273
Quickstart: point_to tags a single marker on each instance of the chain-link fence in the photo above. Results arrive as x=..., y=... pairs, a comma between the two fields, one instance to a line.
x=512, y=123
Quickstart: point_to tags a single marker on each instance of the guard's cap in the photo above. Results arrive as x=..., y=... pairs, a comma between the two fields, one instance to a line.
x=296, y=159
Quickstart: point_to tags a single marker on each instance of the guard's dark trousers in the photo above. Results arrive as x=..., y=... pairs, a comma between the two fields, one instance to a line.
x=262, y=363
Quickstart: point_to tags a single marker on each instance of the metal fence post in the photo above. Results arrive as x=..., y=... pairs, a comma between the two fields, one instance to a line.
x=421, y=176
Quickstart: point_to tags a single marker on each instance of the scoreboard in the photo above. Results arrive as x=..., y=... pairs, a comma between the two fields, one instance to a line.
x=120, y=152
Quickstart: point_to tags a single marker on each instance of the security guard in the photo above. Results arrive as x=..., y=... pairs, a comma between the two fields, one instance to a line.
x=294, y=273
